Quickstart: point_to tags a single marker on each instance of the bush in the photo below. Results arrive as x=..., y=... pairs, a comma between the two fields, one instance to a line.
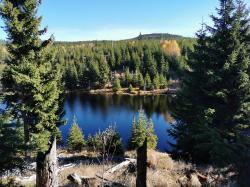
x=107, y=142
x=76, y=138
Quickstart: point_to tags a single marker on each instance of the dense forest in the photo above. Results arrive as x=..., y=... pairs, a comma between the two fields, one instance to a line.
x=139, y=62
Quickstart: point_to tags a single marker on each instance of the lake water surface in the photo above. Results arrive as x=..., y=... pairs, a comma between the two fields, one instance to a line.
x=97, y=112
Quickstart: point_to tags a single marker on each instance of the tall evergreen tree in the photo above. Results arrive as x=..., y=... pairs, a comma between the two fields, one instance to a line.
x=104, y=72
x=31, y=76
x=213, y=106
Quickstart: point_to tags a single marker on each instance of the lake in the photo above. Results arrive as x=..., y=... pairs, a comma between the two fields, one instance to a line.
x=97, y=112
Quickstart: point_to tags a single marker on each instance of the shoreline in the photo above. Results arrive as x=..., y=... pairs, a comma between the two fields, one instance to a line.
x=124, y=91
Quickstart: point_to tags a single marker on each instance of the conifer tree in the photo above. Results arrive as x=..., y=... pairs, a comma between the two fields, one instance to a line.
x=76, y=137
x=148, y=81
x=31, y=76
x=156, y=81
x=141, y=128
x=162, y=81
x=213, y=105
x=104, y=72
x=117, y=85
x=141, y=80
x=151, y=136
x=12, y=144
x=128, y=78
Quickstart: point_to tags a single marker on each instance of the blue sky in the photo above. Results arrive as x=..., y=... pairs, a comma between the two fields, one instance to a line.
x=77, y=20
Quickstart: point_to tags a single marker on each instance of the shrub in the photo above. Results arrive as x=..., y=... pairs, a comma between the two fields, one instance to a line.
x=107, y=142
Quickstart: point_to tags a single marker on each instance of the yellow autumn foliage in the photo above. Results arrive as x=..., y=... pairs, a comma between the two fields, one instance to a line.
x=171, y=48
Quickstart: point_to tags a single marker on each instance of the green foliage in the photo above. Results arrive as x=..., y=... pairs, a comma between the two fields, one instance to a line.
x=11, y=144
x=141, y=128
x=148, y=81
x=104, y=72
x=162, y=82
x=156, y=82
x=76, y=138
x=215, y=91
x=151, y=136
x=117, y=85
x=31, y=76
x=122, y=57
x=130, y=88
x=107, y=142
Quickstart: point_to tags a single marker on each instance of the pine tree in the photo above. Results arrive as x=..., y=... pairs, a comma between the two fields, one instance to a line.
x=141, y=80
x=148, y=81
x=151, y=136
x=128, y=78
x=213, y=105
x=163, y=66
x=135, y=78
x=117, y=85
x=12, y=144
x=163, y=81
x=156, y=82
x=141, y=128
x=76, y=137
x=135, y=61
x=150, y=63
x=31, y=75
x=104, y=72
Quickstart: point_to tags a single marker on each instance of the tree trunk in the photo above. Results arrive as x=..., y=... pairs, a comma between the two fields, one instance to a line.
x=46, y=171
x=141, y=179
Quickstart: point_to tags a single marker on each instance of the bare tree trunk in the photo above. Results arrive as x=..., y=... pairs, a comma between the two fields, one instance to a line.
x=141, y=179
x=46, y=171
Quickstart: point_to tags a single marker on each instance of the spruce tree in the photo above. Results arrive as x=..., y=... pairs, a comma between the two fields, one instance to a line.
x=76, y=138
x=148, y=81
x=31, y=76
x=141, y=128
x=128, y=77
x=141, y=80
x=117, y=85
x=156, y=82
x=104, y=72
x=151, y=136
x=213, y=105
x=11, y=144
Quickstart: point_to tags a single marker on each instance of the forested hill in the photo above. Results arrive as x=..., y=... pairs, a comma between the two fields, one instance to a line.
x=153, y=36
x=159, y=36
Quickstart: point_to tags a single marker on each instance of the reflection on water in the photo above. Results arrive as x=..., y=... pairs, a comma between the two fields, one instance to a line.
x=96, y=112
